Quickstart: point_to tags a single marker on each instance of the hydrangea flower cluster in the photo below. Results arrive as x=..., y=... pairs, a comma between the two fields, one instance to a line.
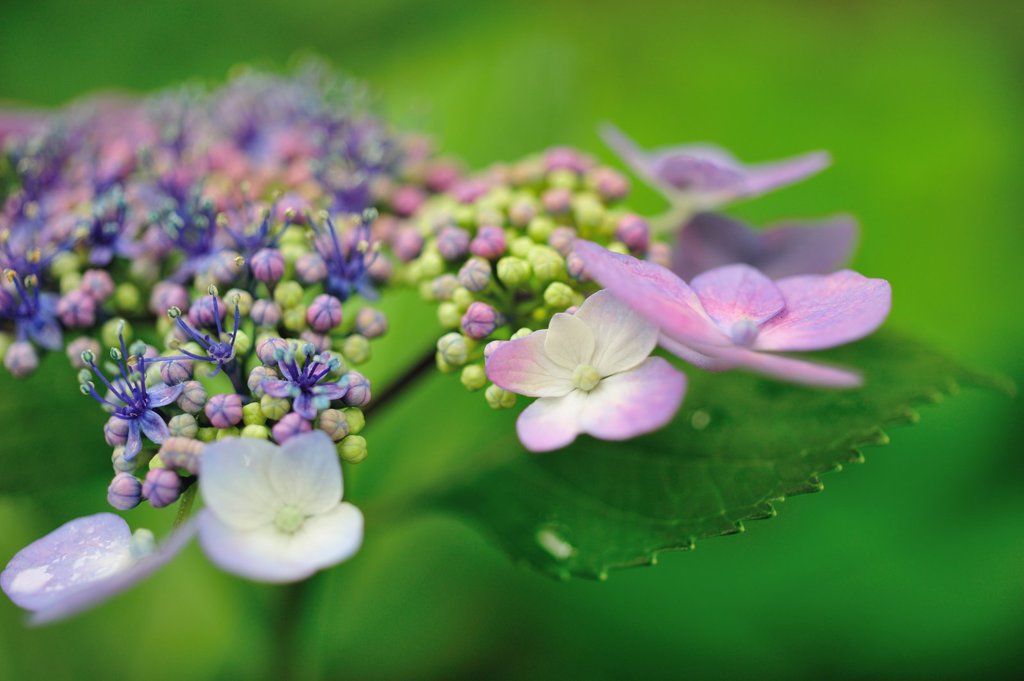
x=495, y=252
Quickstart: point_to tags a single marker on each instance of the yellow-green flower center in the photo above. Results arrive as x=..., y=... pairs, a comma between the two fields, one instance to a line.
x=586, y=377
x=289, y=519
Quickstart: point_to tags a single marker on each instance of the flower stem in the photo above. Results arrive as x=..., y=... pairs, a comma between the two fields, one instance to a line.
x=422, y=366
x=287, y=630
x=185, y=503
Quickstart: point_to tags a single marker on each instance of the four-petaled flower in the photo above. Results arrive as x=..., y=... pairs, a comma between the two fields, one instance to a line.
x=593, y=374
x=218, y=351
x=33, y=312
x=703, y=177
x=274, y=513
x=348, y=257
x=303, y=382
x=734, y=316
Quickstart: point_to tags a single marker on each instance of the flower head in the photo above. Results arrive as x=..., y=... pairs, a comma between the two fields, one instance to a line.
x=593, y=374
x=274, y=513
x=218, y=351
x=735, y=316
x=33, y=312
x=704, y=177
x=305, y=382
x=347, y=256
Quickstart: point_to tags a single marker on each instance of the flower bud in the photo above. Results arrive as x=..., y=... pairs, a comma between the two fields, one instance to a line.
x=115, y=431
x=294, y=318
x=334, y=423
x=497, y=398
x=274, y=408
x=352, y=449
x=610, y=184
x=462, y=298
x=224, y=411
x=431, y=264
x=557, y=200
x=193, y=397
x=181, y=453
x=242, y=342
x=124, y=492
x=513, y=271
x=358, y=394
x=162, y=487
x=452, y=242
x=561, y=240
x=324, y=313
x=288, y=294
x=356, y=349
x=175, y=371
x=256, y=432
x=660, y=254
x=113, y=329
x=289, y=426
x=77, y=347
x=540, y=228
x=97, y=284
x=634, y=232
x=407, y=244
x=267, y=265
x=453, y=349
x=475, y=274
x=356, y=419
x=371, y=322
x=488, y=243
x=206, y=312
x=268, y=349
x=72, y=281
x=120, y=464
x=183, y=425
x=266, y=313
x=480, y=320
x=473, y=377
x=559, y=296
x=547, y=263
x=77, y=309
x=521, y=246
x=448, y=315
x=166, y=295
x=310, y=268
x=225, y=266
x=240, y=297
x=575, y=267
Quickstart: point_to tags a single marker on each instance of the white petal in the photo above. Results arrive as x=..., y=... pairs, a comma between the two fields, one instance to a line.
x=523, y=367
x=569, y=342
x=623, y=337
x=267, y=555
x=551, y=422
x=235, y=484
x=306, y=473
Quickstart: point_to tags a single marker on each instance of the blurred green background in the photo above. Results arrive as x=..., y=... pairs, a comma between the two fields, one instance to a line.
x=911, y=566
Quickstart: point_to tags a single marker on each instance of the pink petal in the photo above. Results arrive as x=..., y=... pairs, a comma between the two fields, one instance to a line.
x=784, y=249
x=786, y=368
x=764, y=177
x=826, y=311
x=523, y=367
x=660, y=296
x=737, y=293
x=551, y=422
x=634, y=402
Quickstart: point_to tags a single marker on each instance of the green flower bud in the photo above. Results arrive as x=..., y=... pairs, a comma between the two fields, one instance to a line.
x=356, y=419
x=109, y=332
x=559, y=296
x=540, y=228
x=520, y=246
x=127, y=297
x=352, y=449
x=256, y=432
x=448, y=315
x=442, y=366
x=288, y=294
x=547, y=263
x=243, y=343
x=588, y=210
x=431, y=264
x=223, y=433
x=473, y=377
x=497, y=398
x=244, y=300
x=334, y=423
x=563, y=178
x=292, y=252
x=274, y=407
x=356, y=349
x=521, y=333
x=513, y=271
x=426, y=287
x=463, y=298
x=618, y=247
x=183, y=425
x=207, y=434
x=453, y=349
x=64, y=263
x=294, y=318
x=295, y=235
x=464, y=215
x=165, y=325
x=155, y=463
x=70, y=281
x=252, y=414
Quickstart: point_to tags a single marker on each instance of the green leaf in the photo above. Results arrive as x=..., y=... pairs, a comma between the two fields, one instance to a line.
x=739, y=444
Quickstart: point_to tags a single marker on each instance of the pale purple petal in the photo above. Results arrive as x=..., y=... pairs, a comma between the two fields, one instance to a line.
x=634, y=402
x=47, y=333
x=523, y=367
x=551, y=422
x=783, y=249
x=826, y=311
x=332, y=391
x=654, y=292
x=569, y=342
x=788, y=369
x=161, y=395
x=623, y=337
x=275, y=387
x=268, y=555
x=133, y=444
x=306, y=473
x=94, y=594
x=304, y=407
x=234, y=481
x=737, y=293
x=764, y=177
x=153, y=426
